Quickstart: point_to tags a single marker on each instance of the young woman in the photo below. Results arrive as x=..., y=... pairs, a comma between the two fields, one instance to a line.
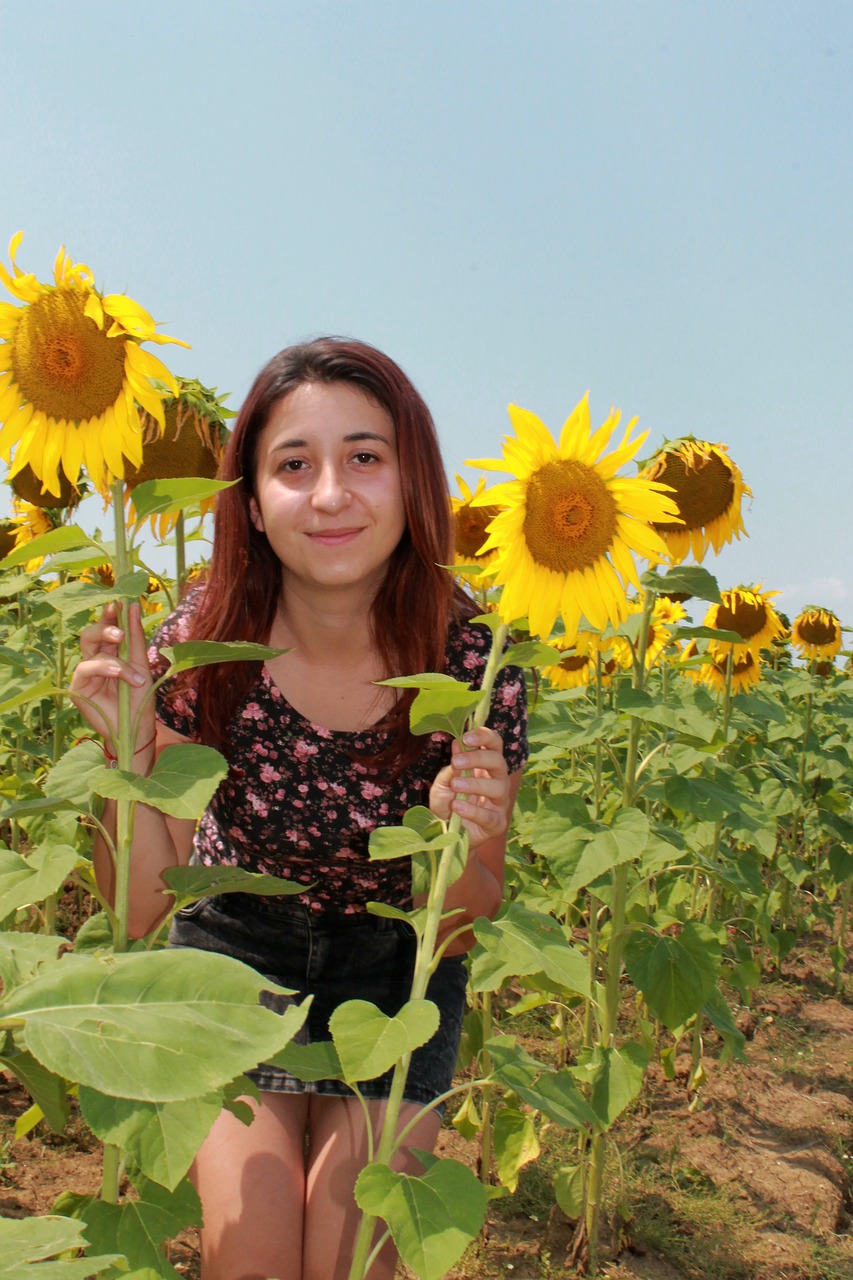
x=330, y=547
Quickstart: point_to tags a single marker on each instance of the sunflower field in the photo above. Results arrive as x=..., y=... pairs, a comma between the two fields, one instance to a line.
x=685, y=818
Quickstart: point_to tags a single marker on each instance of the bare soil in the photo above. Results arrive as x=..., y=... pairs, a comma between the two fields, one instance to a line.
x=751, y=1180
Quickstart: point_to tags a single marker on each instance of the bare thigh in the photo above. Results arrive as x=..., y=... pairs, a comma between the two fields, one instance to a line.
x=338, y=1151
x=251, y=1180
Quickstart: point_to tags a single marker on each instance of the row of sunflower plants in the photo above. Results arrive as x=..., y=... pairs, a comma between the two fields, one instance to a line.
x=660, y=813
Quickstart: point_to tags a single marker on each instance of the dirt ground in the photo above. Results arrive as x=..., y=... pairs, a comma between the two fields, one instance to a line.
x=755, y=1182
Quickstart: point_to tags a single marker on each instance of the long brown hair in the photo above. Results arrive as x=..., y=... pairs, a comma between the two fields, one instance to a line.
x=414, y=606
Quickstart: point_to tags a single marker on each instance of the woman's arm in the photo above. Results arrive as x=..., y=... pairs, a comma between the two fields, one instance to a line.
x=159, y=842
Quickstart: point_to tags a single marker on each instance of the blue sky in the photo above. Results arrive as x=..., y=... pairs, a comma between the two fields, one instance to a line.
x=519, y=202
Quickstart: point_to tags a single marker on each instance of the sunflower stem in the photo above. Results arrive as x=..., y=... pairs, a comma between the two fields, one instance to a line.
x=180, y=556
x=614, y=965
x=124, y=745
x=425, y=952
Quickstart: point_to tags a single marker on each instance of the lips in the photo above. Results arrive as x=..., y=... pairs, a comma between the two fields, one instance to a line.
x=334, y=537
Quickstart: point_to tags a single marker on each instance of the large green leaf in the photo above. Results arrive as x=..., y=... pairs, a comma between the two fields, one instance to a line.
x=67, y=537
x=23, y=954
x=204, y=653
x=704, y=798
x=161, y=1138
x=19, y=693
x=69, y=779
x=163, y=497
x=181, y=783
x=676, y=975
x=523, y=942
x=138, y=1228
x=530, y=653
x=28, y=1249
x=683, y=579
x=317, y=1061
x=594, y=850
x=368, y=1042
x=192, y=1017
x=558, y=1096
x=515, y=1144
x=191, y=883
x=432, y=1218
x=31, y=879
x=615, y=1077
x=48, y=1091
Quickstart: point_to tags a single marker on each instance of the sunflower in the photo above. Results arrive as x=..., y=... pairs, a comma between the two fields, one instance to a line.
x=746, y=670
x=748, y=611
x=564, y=541
x=190, y=445
x=30, y=522
x=816, y=633
x=26, y=485
x=576, y=669
x=665, y=616
x=72, y=372
x=469, y=530
x=709, y=490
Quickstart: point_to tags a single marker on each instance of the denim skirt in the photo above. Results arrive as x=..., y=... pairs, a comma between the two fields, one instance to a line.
x=333, y=957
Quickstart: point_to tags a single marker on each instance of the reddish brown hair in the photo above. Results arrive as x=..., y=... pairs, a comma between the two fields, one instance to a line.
x=413, y=608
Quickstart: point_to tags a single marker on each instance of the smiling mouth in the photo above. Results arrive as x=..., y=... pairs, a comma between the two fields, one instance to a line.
x=334, y=536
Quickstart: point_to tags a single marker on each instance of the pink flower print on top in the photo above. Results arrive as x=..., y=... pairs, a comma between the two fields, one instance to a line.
x=370, y=790
x=304, y=750
x=252, y=711
x=269, y=774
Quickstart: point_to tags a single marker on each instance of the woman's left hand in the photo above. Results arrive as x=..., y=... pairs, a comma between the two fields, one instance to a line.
x=476, y=786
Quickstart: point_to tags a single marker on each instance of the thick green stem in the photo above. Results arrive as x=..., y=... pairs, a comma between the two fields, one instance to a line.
x=613, y=977
x=486, y=1130
x=388, y=1138
x=124, y=748
x=180, y=555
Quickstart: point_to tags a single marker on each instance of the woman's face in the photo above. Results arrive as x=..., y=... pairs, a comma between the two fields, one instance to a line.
x=327, y=486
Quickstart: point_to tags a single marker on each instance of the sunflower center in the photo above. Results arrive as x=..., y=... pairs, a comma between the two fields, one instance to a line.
x=469, y=529
x=815, y=630
x=703, y=492
x=574, y=662
x=570, y=521
x=745, y=618
x=64, y=365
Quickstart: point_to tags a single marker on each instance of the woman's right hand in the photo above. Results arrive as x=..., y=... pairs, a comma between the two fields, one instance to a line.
x=95, y=681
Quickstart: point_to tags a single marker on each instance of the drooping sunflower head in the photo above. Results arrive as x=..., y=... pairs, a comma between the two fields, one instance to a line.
x=746, y=670
x=72, y=375
x=816, y=633
x=568, y=524
x=748, y=611
x=708, y=491
x=470, y=526
x=190, y=444
x=27, y=486
x=30, y=522
x=577, y=669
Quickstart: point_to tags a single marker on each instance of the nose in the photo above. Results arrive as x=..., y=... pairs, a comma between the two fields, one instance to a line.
x=330, y=492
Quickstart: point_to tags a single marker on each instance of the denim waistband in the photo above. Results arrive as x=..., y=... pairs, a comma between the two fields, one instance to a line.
x=244, y=905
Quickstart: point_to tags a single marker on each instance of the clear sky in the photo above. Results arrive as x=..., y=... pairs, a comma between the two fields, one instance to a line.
x=518, y=201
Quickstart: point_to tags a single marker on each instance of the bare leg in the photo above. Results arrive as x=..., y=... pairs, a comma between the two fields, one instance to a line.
x=251, y=1180
x=337, y=1154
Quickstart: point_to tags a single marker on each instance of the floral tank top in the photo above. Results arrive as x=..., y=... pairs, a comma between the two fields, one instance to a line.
x=299, y=804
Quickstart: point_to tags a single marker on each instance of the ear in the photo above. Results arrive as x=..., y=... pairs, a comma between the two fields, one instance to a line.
x=255, y=516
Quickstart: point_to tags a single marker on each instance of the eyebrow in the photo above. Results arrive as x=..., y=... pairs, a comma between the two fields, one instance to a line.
x=353, y=436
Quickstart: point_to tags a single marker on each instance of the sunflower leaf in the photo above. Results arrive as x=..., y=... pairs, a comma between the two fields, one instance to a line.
x=68, y=537
x=691, y=580
x=162, y=497
x=204, y=653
